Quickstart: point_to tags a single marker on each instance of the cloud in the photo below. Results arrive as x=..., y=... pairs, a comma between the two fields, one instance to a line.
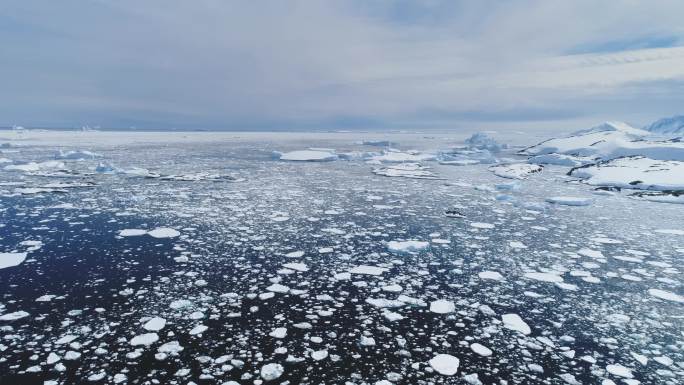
x=320, y=64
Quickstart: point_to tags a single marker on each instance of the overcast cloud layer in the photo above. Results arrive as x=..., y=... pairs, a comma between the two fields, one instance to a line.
x=339, y=64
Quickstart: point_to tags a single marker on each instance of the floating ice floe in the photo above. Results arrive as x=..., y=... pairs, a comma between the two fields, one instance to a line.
x=514, y=322
x=33, y=166
x=155, y=324
x=11, y=259
x=515, y=170
x=492, y=275
x=309, y=156
x=636, y=172
x=406, y=170
x=270, y=372
x=481, y=349
x=666, y=295
x=403, y=247
x=569, y=201
x=14, y=316
x=461, y=162
x=482, y=225
x=144, y=339
x=619, y=370
x=76, y=154
x=544, y=277
x=163, y=232
x=132, y=232
x=367, y=270
x=296, y=267
x=445, y=364
x=442, y=306
x=394, y=156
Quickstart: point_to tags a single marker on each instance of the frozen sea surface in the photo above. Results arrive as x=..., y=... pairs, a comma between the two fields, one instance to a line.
x=288, y=272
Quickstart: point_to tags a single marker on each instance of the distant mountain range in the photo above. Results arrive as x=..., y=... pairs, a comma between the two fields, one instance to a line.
x=672, y=125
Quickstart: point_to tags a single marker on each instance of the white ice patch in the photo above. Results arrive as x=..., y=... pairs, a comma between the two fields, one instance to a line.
x=445, y=364
x=442, y=306
x=482, y=225
x=367, y=270
x=516, y=170
x=14, y=316
x=666, y=295
x=406, y=170
x=11, y=259
x=514, y=322
x=309, y=156
x=403, y=247
x=270, y=372
x=481, y=349
x=636, y=172
x=544, y=277
x=619, y=370
x=493, y=275
x=163, y=232
x=155, y=324
x=132, y=232
x=146, y=339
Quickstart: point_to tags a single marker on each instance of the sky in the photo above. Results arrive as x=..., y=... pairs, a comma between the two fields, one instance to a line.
x=339, y=65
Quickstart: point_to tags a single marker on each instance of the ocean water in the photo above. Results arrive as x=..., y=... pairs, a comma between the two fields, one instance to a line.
x=272, y=244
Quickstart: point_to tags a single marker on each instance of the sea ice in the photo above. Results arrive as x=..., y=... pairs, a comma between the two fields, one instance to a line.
x=445, y=364
x=11, y=259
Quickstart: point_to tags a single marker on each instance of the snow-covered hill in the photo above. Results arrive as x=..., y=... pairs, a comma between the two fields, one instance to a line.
x=667, y=126
x=608, y=141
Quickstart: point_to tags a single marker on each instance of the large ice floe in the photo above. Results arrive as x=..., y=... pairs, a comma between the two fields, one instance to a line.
x=309, y=156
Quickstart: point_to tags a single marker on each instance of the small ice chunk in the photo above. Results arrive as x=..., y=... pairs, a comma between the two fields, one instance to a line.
x=666, y=295
x=14, y=316
x=403, y=247
x=11, y=259
x=442, y=306
x=482, y=225
x=367, y=270
x=278, y=333
x=132, y=232
x=278, y=288
x=445, y=364
x=544, y=277
x=270, y=372
x=296, y=266
x=514, y=322
x=494, y=275
x=146, y=339
x=155, y=324
x=164, y=232
x=619, y=370
x=481, y=349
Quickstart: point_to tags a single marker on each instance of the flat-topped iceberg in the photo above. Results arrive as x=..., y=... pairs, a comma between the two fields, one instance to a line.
x=309, y=156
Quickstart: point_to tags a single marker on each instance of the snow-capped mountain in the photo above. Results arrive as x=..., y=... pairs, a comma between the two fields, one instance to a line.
x=613, y=126
x=672, y=125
